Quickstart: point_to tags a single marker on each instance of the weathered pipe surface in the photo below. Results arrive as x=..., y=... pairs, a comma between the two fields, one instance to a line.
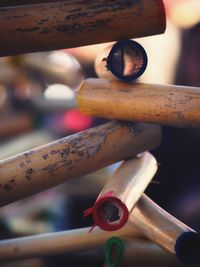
x=73, y=156
x=163, y=104
x=66, y=24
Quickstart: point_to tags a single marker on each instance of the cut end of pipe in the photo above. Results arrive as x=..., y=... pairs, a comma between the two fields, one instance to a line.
x=187, y=248
x=127, y=60
x=110, y=213
x=114, y=252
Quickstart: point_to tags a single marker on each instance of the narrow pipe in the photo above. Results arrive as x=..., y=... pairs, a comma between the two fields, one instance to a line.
x=73, y=156
x=66, y=24
x=163, y=104
x=58, y=243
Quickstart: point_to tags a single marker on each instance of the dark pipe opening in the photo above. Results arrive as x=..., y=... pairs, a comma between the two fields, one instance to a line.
x=109, y=212
x=187, y=248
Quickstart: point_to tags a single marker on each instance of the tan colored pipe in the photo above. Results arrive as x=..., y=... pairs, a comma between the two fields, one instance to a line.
x=73, y=156
x=163, y=104
x=166, y=231
x=143, y=253
x=122, y=191
x=65, y=24
x=61, y=242
x=130, y=179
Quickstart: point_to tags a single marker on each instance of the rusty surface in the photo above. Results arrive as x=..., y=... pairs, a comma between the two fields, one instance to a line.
x=65, y=24
x=73, y=156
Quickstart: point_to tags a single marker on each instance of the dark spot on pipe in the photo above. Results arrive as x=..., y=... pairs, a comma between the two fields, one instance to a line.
x=26, y=30
x=80, y=154
x=29, y=171
x=7, y=187
x=53, y=152
x=135, y=128
x=16, y=249
x=45, y=156
x=64, y=153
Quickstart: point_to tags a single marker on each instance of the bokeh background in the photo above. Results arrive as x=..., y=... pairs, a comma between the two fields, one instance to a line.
x=38, y=105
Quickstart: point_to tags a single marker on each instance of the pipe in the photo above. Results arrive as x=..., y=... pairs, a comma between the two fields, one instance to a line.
x=163, y=104
x=67, y=24
x=73, y=156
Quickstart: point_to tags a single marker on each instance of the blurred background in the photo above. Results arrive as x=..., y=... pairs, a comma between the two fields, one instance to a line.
x=38, y=105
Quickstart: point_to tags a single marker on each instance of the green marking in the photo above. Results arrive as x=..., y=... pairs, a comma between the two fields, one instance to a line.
x=114, y=252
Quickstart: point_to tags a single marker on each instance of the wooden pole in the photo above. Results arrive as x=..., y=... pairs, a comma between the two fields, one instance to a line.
x=61, y=242
x=143, y=253
x=66, y=24
x=122, y=191
x=73, y=156
x=165, y=230
x=163, y=104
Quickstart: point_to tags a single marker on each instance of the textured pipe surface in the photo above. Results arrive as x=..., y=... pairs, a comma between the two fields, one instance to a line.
x=73, y=156
x=65, y=24
x=163, y=104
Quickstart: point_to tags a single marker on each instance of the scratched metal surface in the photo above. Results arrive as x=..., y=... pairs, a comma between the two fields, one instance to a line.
x=57, y=25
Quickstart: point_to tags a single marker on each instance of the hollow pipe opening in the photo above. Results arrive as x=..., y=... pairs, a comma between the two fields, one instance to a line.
x=127, y=60
x=187, y=248
x=110, y=213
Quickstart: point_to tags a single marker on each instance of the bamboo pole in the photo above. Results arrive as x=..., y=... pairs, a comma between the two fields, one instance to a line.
x=143, y=253
x=76, y=155
x=163, y=229
x=163, y=104
x=66, y=24
x=122, y=191
x=57, y=243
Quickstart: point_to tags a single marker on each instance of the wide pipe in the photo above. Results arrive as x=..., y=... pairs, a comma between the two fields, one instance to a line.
x=73, y=156
x=162, y=104
x=65, y=24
